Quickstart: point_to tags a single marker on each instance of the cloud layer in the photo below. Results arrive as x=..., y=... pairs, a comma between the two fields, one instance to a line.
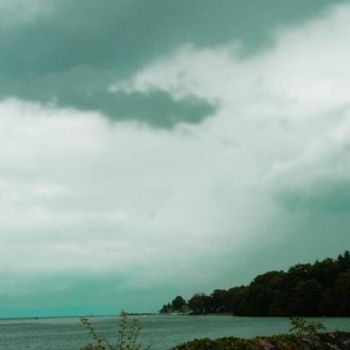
x=67, y=52
x=265, y=173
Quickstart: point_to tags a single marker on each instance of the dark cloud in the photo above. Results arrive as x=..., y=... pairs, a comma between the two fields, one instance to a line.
x=73, y=54
x=323, y=196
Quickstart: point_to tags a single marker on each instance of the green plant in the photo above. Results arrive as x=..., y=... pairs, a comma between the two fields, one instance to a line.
x=334, y=340
x=128, y=334
x=300, y=326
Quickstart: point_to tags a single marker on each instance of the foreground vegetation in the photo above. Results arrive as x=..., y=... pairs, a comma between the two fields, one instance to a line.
x=320, y=341
x=128, y=335
x=319, y=289
x=303, y=335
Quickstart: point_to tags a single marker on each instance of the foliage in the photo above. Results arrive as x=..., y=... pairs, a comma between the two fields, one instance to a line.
x=300, y=326
x=166, y=309
x=177, y=305
x=319, y=289
x=128, y=334
x=323, y=341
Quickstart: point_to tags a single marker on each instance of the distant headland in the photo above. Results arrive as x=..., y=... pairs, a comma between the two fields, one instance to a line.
x=318, y=289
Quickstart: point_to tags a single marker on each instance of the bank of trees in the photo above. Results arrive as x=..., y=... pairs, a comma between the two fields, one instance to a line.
x=319, y=289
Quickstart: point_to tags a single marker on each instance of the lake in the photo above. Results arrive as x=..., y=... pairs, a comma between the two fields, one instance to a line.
x=161, y=332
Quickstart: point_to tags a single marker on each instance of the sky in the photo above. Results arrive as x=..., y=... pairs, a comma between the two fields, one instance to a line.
x=163, y=147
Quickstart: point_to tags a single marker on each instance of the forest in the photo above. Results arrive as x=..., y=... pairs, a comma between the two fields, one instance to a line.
x=318, y=289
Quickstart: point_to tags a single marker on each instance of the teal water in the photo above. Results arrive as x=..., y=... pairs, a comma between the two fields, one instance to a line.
x=161, y=332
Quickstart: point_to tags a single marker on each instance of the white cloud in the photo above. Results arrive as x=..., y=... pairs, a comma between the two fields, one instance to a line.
x=281, y=106
x=80, y=194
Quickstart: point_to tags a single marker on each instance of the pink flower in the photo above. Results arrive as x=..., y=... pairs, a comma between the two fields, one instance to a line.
x=266, y=345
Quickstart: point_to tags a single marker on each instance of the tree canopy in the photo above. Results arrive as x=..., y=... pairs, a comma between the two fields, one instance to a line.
x=318, y=289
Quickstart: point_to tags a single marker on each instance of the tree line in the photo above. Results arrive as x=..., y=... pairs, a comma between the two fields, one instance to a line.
x=319, y=289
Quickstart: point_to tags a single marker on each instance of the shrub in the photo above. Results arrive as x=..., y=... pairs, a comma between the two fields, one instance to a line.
x=319, y=341
x=128, y=334
x=299, y=326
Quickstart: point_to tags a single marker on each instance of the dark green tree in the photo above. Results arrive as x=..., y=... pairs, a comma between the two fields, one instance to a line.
x=167, y=308
x=342, y=285
x=197, y=303
x=178, y=303
x=305, y=298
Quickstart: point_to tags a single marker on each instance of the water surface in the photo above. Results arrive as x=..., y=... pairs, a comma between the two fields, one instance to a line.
x=161, y=332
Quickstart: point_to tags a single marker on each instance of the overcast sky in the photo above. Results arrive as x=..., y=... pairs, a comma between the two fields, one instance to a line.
x=164, y=147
